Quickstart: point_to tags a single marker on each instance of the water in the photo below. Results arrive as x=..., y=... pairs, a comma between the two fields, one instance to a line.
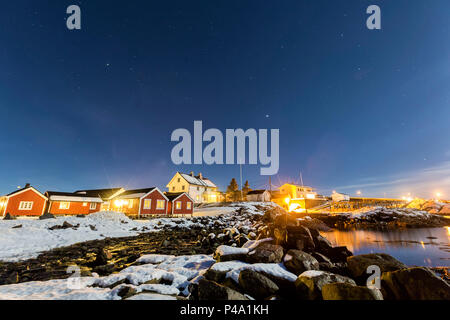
x=428, y=247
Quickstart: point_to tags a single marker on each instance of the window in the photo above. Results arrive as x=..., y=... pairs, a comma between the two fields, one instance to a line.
x=178, y=205
x=64, y=205
x=147, y=204
x=161, y=204
x=182, y=188
x=93, y=206
x=130, y=204
x=84, y=204
x=173, y=188
x=189, y=205
x=198, y=188
x=26, y=205
x=179, y=180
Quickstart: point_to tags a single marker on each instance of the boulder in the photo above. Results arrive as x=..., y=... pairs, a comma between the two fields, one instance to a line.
x=299, y=237
x=297, y=262
x=266, y=253
x=126, y=291
x=256, y=285
x=322, y=243
x=309, y=284
x=46, y=216
x=358, y=264
x=8, y=216
x=320, y=257
x=338, y=254
x=227, y=253
x=103, y=255
x=210, y=290
x=346, y=291
x=414, y=284
x=17, y=227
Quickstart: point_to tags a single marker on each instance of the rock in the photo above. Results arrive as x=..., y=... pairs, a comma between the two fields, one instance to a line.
x=309, y=284
x=322, y=243
x=266, y=253
x=126, y=292
x=228, y=253
x=67, y=225
x=215, y=275
x=46, y=216
x=81, y=216
x=346, y=291
x=297, y=262
x=414, y=284
x=337, y=268
x=256, y=285
x=17, y=227
x=103, y=255
x=358, y=264
x=320, y=257
x=338, y=254
x=11, y=278
x=8, y=216
x=299, y=237
x=210, y=290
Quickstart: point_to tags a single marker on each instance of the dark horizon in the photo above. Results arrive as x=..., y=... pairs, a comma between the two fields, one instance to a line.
x=357, y=109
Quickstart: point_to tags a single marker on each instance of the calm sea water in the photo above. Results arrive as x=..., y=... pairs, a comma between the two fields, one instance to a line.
x=428, y=247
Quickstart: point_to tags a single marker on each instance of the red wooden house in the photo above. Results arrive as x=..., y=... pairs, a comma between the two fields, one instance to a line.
x=24, y=202
x=180, y=203
x=141, y=202
x=65, y=203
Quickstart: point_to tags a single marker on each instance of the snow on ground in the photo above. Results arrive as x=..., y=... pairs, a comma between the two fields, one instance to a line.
x=35, y=237
x=167, y=278
x=361, y=214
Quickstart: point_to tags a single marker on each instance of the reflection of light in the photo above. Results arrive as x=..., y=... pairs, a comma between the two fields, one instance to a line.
x=295, y=207
x=423, y=245
x=448, y=230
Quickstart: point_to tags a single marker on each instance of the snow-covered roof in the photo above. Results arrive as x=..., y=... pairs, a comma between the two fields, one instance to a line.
x=197, y=181
x=75, y=199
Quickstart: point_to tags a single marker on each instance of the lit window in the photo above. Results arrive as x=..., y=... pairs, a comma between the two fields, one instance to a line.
x=64, y=205
x=130, y=204
x=189, y=205
x=93, y=206
x=178, y=205
x=161, y=204
x=26, y=205
x=147, y=204
x=84, y=204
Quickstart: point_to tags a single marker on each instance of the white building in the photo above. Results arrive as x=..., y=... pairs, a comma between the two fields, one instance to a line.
x=199, y=188
x=337, y=197
x=258, y=196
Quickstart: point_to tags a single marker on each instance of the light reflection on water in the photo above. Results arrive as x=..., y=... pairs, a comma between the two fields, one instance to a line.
x=419, y=247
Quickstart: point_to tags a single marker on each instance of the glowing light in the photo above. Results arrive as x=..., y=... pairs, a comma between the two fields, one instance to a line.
x=287, y=200
x=409, y=199
x=310, y=196
x=448, y=230
x=295, y=207
x=438, y=195
x=358, y=192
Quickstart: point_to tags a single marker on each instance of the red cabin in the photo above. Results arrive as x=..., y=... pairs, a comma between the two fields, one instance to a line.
x=24, y=202
x=65, y=203
x=180, y=203
x=141, y=202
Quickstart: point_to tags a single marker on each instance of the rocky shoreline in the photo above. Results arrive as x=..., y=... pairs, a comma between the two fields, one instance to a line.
x=257, y=256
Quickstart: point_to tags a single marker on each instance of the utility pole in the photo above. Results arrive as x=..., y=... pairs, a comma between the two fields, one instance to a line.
x=242, y=196
x=301, y=178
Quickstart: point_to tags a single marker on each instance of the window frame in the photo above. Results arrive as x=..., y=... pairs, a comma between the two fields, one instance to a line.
x=92, y=208
x=149, y=206
x=158, y=202
x=25, y=205
x=188, y=205
x=62, y=207
x=178, y=203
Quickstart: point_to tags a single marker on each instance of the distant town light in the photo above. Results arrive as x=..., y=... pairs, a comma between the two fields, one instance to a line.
x=438, y=195
x=358, y=192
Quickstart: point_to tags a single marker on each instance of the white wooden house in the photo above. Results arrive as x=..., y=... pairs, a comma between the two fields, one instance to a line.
x=199, y=188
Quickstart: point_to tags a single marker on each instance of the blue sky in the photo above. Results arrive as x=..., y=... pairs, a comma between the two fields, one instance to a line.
x=357, y=109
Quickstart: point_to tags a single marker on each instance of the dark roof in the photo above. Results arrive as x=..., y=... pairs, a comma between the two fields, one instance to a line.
x=56, y=193
x=173, y=195
x=102, y=193
x=27, y=187
x=256, y=191
x=127, y=192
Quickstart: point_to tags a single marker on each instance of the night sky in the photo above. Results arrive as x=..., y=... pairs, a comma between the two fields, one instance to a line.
x=357, y=109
